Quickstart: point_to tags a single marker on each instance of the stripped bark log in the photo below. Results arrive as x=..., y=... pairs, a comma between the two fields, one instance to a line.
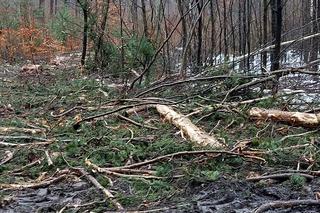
x=291, y=118
x=191, y=131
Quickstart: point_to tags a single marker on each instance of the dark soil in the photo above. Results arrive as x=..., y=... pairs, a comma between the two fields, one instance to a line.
x=221, y=196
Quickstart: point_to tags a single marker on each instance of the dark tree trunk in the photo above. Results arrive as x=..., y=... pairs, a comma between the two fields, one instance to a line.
x=84, y=6
x=51, y=8
x=276, y=28
x=134, y=15
x=199, y=50
x=315, y=29
x=144, y=17
x=225, y=27
x=42, y=9
x=265, y=32
x=306, y=19
x=103, y=9
x=183, y=24
x=213, y=34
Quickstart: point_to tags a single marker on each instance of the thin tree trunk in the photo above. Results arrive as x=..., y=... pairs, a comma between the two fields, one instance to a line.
x=102, y=13
x=51, y=8
x=276, y=7
x=134, y=15
x=265, y=32
x=315, y=29
x=144, y=17
x=200, y=26
x=84, y=6
x=213, y=35
x=184, y=35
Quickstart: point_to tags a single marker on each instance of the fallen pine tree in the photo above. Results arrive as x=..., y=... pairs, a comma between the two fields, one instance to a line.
x=188, y=129
x=292, y=118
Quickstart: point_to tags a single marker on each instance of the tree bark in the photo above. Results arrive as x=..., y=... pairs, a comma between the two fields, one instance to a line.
x=291, y=118
x=102, y=15
x=84, y=5
x=188, y=129
x=276, y=28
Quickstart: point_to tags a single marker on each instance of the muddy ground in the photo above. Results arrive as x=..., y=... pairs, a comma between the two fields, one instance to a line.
x=222, y=196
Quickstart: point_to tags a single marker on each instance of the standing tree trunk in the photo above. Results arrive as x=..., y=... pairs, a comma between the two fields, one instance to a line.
x=248, y=30
x=55, y=6
x=85, y=7
x=51, y=8
x=276, y=28
x=264, y=55
x=225, y=27
x=213, y=35
x=134, y=15
x=42, y=9
x=102, y=15
x=144, y=18
x=200, y=26
x=183, y=23
x=306, y=19
x=315, y=29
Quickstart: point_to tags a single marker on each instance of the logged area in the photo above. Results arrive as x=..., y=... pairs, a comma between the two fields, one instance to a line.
x=159, y=106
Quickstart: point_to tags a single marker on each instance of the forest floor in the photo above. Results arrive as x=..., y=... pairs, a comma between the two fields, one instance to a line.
x=43, y=153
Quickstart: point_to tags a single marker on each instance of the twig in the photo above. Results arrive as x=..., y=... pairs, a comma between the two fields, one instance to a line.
x=286, y=204
x=136, y=123
x=177, y=154
x=138, y=109
x=48, y=158
x=280, y=177
x=310, y=172
x=25, y=144
x=16, y=129
x=24, y=137
x=190, y=80
x=131, y=135
x=8, y=156
x=93, y=203
x=67, y=111
x=109, y=113
x=106, y=192
x=289, y=148
x=297, y=135
x=28, y=165
x=33, y=185
x=109, y=171
x=163, y=209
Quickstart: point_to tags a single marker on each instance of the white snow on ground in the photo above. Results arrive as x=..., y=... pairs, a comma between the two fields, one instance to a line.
x=308, y=86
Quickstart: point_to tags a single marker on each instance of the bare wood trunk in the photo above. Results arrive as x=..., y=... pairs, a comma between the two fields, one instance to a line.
x=189, y=130
x=292, y=118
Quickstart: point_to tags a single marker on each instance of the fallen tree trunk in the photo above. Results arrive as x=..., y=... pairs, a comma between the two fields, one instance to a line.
x=189, y=130
x=293, y=118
